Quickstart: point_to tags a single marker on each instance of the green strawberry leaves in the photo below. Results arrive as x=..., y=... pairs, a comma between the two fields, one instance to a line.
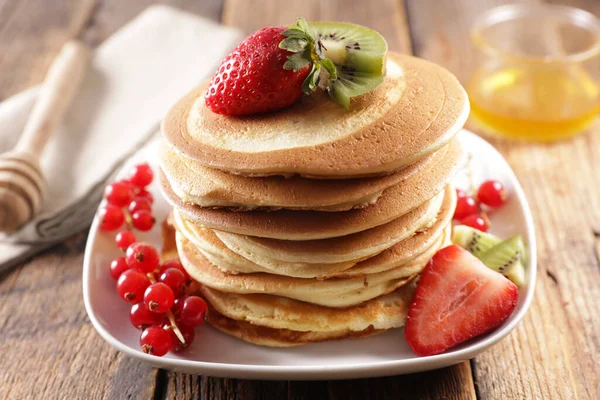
x=306, y=50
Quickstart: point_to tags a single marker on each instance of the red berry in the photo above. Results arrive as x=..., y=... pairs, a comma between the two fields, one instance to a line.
x=132, y=285
x=159, y=297
x=187, y=332
x=118, y=194
x=457, y=298
x=178, y=305
x=156, y=341
x=143, y=194
x=124, y=239
x=492, y=193
x=143, y=257
x=460, y=193
x=252, y=79
x=141, y=175
x=142, y=220
x=139, y=204
x=465, y=206
x=117, y=267
x=175, y=279
x=192, y=312
x=475, y=221
x=141, y=317
x=174, y=263
x=111, y=217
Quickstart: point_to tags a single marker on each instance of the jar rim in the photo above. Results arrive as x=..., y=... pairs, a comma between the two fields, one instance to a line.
x=512, y=12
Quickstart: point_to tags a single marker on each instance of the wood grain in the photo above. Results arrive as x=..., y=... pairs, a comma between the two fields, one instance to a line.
x=554, y=352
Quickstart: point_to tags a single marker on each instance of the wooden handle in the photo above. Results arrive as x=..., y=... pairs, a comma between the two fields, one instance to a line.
x=56, y=95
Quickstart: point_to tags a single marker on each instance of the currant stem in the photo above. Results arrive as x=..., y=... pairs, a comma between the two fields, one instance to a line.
x=169, y=315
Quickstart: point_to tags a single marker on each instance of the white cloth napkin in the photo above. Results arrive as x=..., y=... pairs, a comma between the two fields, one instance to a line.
x=135, y=76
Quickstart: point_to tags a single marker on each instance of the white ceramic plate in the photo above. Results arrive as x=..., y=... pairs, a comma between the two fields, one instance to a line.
x=217, y=354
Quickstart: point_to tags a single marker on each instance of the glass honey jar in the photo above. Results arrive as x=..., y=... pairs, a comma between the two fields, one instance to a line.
x=538, y=72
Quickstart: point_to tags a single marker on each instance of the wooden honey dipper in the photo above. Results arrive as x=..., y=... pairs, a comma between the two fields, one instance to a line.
x=22, y=184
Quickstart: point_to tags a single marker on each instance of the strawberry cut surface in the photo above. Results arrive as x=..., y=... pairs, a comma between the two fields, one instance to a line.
x=252, y=79
x=457, y=299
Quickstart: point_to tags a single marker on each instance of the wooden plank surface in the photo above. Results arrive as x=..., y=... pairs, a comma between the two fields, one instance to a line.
x=50, y=350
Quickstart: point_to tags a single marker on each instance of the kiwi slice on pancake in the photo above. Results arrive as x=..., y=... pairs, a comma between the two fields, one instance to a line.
x=346, y=59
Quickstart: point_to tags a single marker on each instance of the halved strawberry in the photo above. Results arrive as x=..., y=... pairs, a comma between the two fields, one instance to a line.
x=458, y=298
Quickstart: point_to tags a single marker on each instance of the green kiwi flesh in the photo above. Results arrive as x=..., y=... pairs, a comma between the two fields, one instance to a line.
x=474, y=240
x=359, y=54
x=507, y=257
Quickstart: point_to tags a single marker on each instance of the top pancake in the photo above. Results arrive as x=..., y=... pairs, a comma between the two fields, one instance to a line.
x=418, y=108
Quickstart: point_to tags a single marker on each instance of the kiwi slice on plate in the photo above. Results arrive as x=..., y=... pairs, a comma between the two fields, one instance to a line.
x=507, y=257
x=346, y=59
x=474, y=240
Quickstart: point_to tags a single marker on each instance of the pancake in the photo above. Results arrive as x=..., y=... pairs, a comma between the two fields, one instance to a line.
x=307, y=225
x=438, y=236
x=357, y=246
x=417, y=109
x=270, y=337
x=279, y=322
x=209, y=187
x=334, y=292
x=222, y=257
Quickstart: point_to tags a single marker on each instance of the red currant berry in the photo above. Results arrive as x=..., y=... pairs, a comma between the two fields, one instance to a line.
x=156, y=341
x=460, y=193
x=142, y=220
x=159, y=298
x=117, y=267
x=139, y=204
x=475, y=221
x=118, y=194
x=178, y=305
x=143, y=194
x=141, y=317
x=492, y=193
x=132, y=285
x=175, y=279
x=465, y=206
x=192, y=312
x=187, y=332
x=124, y=239
x=143, y=257
x=111, y=218
x=141, y=175
x=174, y=263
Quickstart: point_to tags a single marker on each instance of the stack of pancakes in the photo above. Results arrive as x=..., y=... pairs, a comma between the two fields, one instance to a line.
x=314, y=222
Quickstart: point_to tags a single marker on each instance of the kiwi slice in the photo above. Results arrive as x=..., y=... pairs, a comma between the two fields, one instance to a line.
x=474, y=240
x=351, y=46
x=507, y=258
x=358, y=54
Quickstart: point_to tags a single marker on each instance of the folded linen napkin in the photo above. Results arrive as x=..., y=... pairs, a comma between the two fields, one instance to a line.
x=135, y=76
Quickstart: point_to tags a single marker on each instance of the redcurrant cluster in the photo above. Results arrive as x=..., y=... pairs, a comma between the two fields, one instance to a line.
x=469, y=210
x=129, y=194
x=161, y=309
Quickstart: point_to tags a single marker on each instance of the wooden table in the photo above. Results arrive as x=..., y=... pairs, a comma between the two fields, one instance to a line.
x=48, y=348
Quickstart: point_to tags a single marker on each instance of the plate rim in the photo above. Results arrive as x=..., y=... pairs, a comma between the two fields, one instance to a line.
x=346, y=371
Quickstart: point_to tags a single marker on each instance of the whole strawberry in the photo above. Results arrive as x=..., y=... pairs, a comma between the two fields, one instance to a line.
x=270, y=70
x=252, y=79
